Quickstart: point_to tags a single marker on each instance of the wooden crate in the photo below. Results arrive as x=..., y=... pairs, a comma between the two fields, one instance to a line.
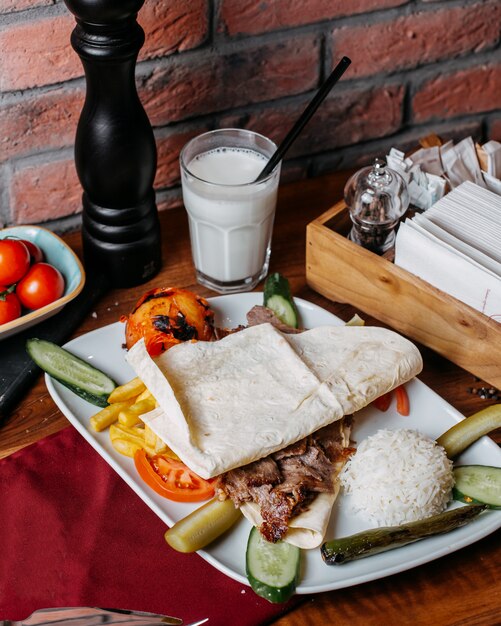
x=345, y=272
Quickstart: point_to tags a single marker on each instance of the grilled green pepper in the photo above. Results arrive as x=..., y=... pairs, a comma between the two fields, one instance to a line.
x=377, y=540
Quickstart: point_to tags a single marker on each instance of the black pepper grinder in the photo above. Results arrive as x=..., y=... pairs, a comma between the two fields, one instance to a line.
x=377, y=197
x=115, y=151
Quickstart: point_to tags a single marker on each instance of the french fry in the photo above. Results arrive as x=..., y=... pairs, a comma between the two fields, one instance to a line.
x=107, y=416
x=126, y=440
x=162, y=448
x=155, y=443
x=170, y=453
x=143, y=396
x=150, y=439
x=129, y=390
x=130, y=416
x=144, y=406
x=133, y=435
x=165, y=451
x=125, y=447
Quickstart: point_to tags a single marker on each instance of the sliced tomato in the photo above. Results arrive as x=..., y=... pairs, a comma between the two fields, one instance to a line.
x=403, y=406
x=383, y=402
x=172, y=479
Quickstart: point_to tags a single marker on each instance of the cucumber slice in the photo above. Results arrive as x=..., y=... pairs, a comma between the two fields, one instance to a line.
x=278, y=298
x=283, y=310
x=83, y=379
x=272, y=568
x=478, y=484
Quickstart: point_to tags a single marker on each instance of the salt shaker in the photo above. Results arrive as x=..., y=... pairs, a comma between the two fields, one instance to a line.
x=377, y=197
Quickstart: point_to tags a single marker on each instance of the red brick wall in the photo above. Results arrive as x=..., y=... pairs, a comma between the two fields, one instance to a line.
x=418, y=66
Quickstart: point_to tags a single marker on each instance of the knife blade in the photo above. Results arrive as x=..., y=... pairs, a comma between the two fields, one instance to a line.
x=93, y=616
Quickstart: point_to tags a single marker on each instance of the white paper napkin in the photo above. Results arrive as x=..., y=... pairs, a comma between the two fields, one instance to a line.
x=493, y=152
x=460, y=247
x=448, y=271
x=456, y=246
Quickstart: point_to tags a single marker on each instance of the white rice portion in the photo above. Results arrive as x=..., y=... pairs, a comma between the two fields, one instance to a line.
x=398, y=476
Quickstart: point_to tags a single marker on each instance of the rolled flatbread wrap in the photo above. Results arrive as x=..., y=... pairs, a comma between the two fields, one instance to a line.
x=227, y=403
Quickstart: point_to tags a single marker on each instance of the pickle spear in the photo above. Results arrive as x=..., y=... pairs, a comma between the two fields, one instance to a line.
x=377, y=540
x=202, y=526
x=466, y=432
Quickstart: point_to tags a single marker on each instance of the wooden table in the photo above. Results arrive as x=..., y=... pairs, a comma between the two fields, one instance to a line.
x=461, y=589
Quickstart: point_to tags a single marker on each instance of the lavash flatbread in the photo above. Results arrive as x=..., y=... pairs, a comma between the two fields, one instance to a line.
x=358, y=363
x=227, y=403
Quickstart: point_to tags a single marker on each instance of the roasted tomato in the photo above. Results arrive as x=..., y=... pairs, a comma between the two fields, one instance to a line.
x=166, y=316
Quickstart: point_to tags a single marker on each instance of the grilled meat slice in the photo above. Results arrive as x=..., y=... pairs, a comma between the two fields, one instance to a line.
x=242, y=484
x=284, y=483
x=276, y=509
x=262, y=315
x=311, y=471
x=257, y=315
x=220, y=333
x=295, y=449
x=332, y=442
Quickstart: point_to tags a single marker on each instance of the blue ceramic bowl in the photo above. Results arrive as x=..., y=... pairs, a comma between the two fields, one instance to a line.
x=57, y=253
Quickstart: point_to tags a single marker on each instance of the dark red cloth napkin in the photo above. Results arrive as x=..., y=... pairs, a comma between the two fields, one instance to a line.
x=72, y=533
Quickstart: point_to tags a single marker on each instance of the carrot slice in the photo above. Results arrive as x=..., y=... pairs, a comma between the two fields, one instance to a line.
x=403, y=406
x=383, y=402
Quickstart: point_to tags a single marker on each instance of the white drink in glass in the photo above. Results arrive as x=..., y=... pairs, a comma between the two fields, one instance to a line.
x=230, y=215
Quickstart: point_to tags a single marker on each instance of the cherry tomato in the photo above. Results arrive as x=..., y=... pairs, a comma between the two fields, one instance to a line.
x=14, y=261
x=10, y=307
x=35, y=251
x=172, y=479
x=42, y=285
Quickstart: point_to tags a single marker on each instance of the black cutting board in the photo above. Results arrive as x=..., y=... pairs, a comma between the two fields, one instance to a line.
x=17, y=370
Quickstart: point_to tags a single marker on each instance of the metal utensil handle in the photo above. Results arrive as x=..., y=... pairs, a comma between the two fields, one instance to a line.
x=93, y=616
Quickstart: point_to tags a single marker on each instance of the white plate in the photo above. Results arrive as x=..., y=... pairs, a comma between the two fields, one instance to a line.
x=429, y=413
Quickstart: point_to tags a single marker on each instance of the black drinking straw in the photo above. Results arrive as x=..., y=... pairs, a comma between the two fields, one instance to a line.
x=304, y=118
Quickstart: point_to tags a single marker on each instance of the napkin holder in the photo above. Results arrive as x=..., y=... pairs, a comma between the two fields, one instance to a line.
x=344, y=272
